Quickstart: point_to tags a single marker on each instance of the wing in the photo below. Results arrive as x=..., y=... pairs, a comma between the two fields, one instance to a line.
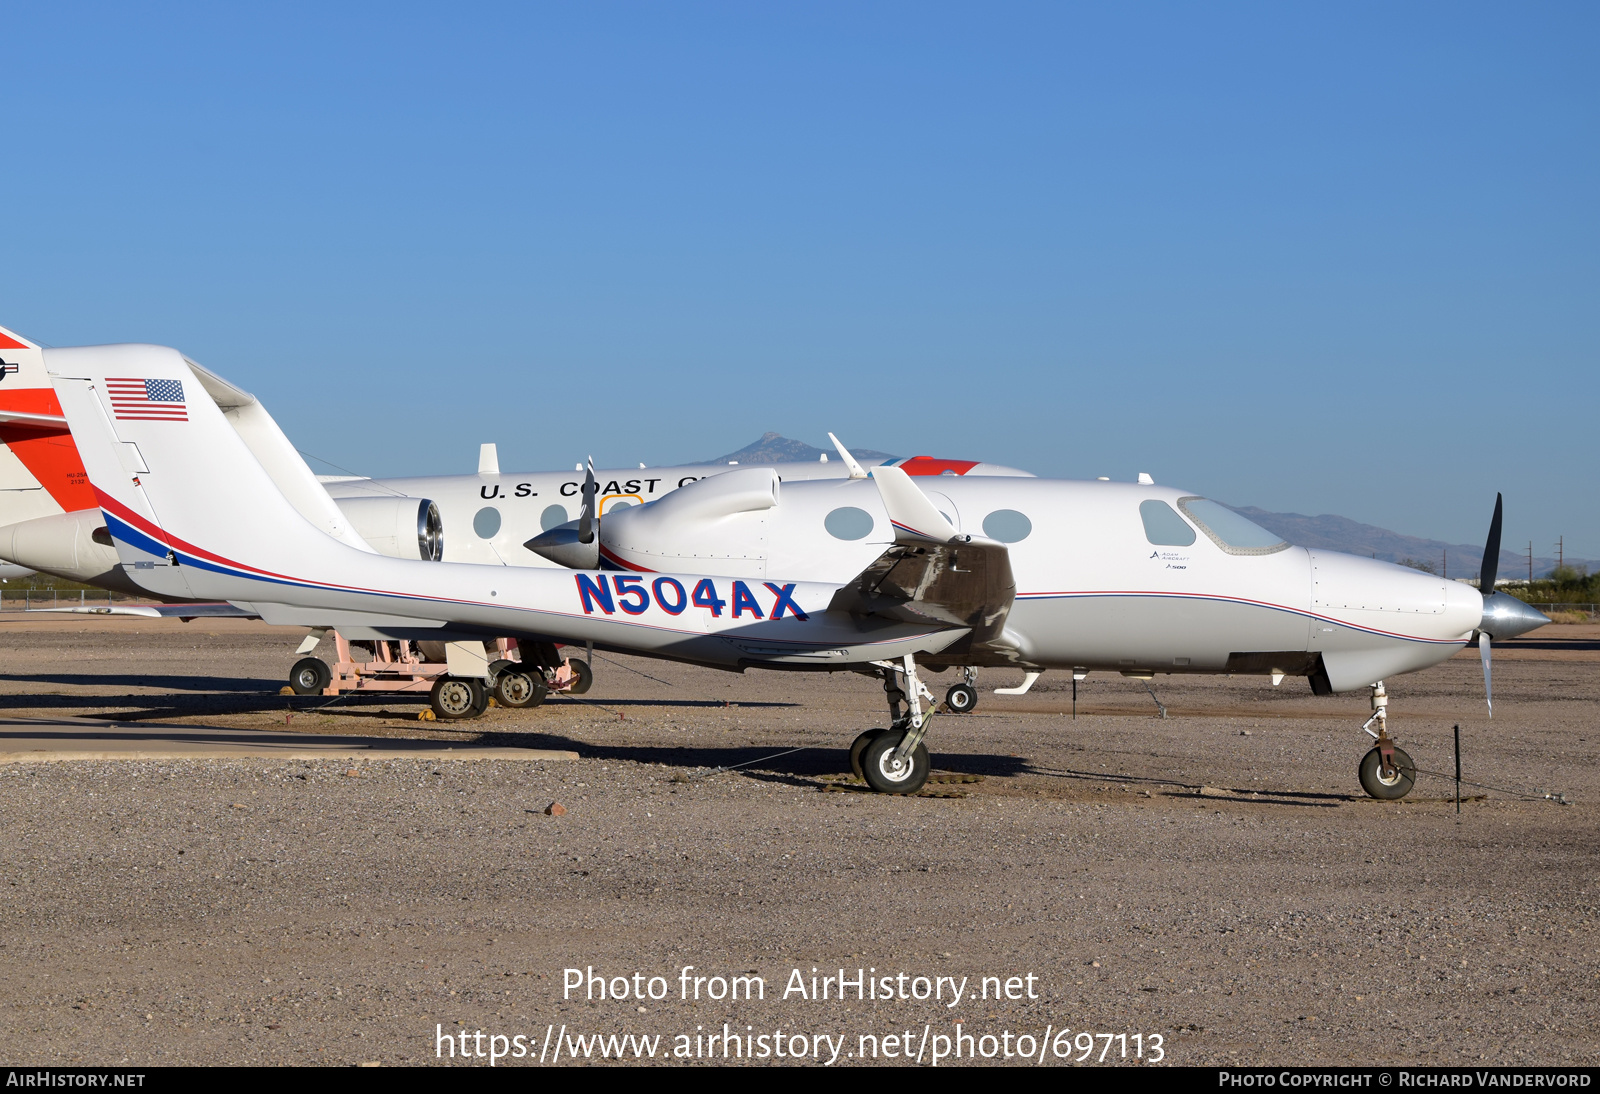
x=185, y=612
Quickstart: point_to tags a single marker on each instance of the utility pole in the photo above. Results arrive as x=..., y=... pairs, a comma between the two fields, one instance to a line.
x=1530, y=564
x=1446, y=574
x=1561, y=555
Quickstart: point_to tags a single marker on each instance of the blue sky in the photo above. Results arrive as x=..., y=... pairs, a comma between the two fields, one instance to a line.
x=1322, y=258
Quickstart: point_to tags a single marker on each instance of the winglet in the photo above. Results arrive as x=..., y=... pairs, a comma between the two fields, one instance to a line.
x=914, y=517
x=849, y=461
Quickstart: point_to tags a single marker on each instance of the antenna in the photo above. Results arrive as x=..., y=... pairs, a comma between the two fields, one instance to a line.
x=849, y=461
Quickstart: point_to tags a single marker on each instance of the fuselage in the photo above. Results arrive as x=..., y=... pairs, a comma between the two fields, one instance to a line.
x=1093, y=589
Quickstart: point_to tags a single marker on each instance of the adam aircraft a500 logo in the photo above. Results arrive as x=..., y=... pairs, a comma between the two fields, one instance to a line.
x=634, y=597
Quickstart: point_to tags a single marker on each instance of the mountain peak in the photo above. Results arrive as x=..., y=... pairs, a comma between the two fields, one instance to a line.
x=776, y=448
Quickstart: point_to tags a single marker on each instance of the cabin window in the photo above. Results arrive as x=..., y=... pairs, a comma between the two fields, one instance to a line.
x=1007, y=526
x=1233, y=533
x=486, y=522
x=1164, y=527
x=554, y=516
x=848, y=522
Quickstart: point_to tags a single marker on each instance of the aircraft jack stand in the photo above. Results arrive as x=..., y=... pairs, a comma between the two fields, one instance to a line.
x=1387, y=771
x=894, y=760
x=399, y=665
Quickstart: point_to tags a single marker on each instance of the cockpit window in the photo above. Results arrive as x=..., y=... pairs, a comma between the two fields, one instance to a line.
x=1162, y=526
x=1228, y=530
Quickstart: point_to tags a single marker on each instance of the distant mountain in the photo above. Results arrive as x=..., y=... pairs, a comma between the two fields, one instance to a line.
x=1335, y=533
x=775, y=448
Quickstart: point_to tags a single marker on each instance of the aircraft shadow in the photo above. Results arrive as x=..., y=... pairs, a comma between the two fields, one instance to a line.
x=174, y=683
x=764, y=762
x=1267, y=796
x=1536, y=644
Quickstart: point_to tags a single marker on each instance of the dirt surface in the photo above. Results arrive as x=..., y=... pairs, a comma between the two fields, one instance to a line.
x=1215, y=878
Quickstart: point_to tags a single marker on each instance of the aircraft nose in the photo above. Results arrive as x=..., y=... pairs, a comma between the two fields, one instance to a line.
x=1504, y=616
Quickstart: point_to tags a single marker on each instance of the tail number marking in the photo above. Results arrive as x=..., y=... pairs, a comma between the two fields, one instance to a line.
x=629, y=593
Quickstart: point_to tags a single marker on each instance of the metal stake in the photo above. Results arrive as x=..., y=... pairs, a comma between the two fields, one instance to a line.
x=1458, y=768
x=1074, y=697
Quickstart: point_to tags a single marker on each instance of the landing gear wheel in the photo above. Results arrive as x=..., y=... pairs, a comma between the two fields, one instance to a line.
x=857, y=747
x=584, y=674
x=454, y=697
x=310, y=676
x=961, y=698
x=886, y=776
x=516, y=687
x=1393, y=786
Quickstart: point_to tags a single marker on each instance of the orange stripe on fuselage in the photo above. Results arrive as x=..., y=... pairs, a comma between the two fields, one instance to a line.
x=48, y=454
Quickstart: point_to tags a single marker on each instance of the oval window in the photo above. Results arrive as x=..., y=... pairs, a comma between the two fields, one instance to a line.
x=553, y=517
x=1007, y=526
x=848, y=522
x=487, y=522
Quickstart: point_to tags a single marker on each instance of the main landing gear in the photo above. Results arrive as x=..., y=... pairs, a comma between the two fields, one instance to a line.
x=894, y=760
x=1386, y=771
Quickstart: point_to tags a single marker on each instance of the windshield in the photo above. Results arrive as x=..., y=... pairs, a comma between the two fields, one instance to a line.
x=1230, y=531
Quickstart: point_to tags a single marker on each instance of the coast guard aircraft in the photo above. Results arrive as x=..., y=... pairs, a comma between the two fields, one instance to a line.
x=49, y=520
x=1053, y=575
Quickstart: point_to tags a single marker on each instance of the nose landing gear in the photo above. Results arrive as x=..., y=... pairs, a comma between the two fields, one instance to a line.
x=1386, y=772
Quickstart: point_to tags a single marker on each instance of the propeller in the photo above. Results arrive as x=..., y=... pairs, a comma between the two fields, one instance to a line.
x=1487, y=572
x=586, y=515
x=1504, y=616
x=574, y=544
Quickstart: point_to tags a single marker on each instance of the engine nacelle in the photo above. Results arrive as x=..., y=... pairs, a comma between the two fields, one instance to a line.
x=398, y=527
x=718, y=522
x=74, y=546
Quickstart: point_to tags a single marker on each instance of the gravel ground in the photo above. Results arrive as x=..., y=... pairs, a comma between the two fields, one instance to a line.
x=1215, y=878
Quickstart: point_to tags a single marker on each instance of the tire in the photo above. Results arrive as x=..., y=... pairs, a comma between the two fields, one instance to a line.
x=1394, y=788
x=310, y=676
x=961, y=698
x=857, y=747
x=482, y=698
x=884, y=779
x=454, y=697
x=585, y=676
x=516, y=687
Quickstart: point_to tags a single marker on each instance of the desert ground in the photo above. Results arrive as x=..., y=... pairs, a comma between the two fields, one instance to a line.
x=1214, y=882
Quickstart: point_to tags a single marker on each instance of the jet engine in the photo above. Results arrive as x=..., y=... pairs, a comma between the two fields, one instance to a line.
x=398, y=527
x=74, y=546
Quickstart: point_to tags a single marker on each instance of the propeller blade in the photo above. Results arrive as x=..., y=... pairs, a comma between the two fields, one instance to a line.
x=1483, y=652
x=586, y=515
x=1491, y=555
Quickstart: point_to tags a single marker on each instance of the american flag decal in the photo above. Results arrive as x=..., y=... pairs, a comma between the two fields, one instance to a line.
x=146, y=400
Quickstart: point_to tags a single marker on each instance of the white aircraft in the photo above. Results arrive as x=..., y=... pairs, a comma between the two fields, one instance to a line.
x=1052, y=575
